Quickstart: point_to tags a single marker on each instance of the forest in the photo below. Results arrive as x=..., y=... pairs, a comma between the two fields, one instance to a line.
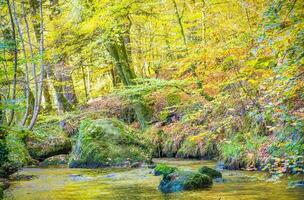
x=152, y=99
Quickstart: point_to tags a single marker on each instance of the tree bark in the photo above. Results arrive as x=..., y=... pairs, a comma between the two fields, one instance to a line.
x=41, y=50
x=180, y=23
x=33, y=96
x=120, y=58
x=27, y=87
x=15, y=60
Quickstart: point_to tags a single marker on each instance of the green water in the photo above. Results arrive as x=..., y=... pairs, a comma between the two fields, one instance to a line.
x=115, y=184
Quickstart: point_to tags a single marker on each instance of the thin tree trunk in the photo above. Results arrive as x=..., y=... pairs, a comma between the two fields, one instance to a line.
x=33, y=65
x=41, y=49
x=27, y=87
x=15, y=61
x=179, y=20
x=46, y=94
x=84, y=83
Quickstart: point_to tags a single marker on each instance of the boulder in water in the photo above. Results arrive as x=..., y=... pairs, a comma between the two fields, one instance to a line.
x=184, y=180
x=210, y=172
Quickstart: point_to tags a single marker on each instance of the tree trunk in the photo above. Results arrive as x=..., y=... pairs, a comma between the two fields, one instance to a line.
x=41, y=50
x=27, y=87
x=15, y=61
x=61, y=103
x=179, y=20
x=120, y=58
x=33, y=97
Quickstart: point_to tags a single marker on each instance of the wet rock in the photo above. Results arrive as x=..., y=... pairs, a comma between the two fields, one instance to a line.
x=210, y=172
x=295, y=184
x=110, y=175
x=21, y=177
x=220, y=166
x=136, y=165
x=78, y=177
x=184, y=180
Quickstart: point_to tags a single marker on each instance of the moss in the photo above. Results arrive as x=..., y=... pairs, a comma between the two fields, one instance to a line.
x=184, y=180
x=197, y=180
x=47, y=141
x=162, y=169
x=210, y=172
x=18, y=153
x=1, y=193
x=108, y=142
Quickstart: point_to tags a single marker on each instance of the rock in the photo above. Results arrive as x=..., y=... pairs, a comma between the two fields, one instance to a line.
x=7, y=169
x=210, y=172
x=47, y=142
x=136, y=165
x=110, y=175
x=151, y=166
x=162, y=169
x=220, y=166
x=78, y=177
x=55, y=160
x=295, y=184
x=184, y=180
x=23, y=177
x=108, y=142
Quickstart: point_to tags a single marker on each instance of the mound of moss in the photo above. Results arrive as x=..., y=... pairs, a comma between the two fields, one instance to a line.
x=210, y=172
x=162, y=169
x=47, y=141
x=184, y=180
x=108, y=142
x=13, y=152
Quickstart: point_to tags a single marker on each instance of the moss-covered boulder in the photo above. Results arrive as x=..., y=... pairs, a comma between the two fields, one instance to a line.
x=13, y=153
x=108, y=142
x=62, y=159
x=184, y=180
x=48, y=141
x=162, y=169
x=210, y=172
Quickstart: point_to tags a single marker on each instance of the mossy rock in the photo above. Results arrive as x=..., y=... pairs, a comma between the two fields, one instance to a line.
x=162, y=169
x=13, y=153
x=45, y=142
x=184, y=180
x=56, y=160
x=210, y=172
x=108, y=142
x=4, y=184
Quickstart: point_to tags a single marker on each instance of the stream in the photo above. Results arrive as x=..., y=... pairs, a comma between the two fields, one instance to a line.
x=54, y=183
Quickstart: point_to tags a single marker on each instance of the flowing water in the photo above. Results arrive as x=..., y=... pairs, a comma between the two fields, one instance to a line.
x=55, y=183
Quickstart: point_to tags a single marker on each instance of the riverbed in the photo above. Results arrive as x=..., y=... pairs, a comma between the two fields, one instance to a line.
x=60, y=182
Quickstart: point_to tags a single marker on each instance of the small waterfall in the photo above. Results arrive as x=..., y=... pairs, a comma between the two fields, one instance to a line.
x=78, y=145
